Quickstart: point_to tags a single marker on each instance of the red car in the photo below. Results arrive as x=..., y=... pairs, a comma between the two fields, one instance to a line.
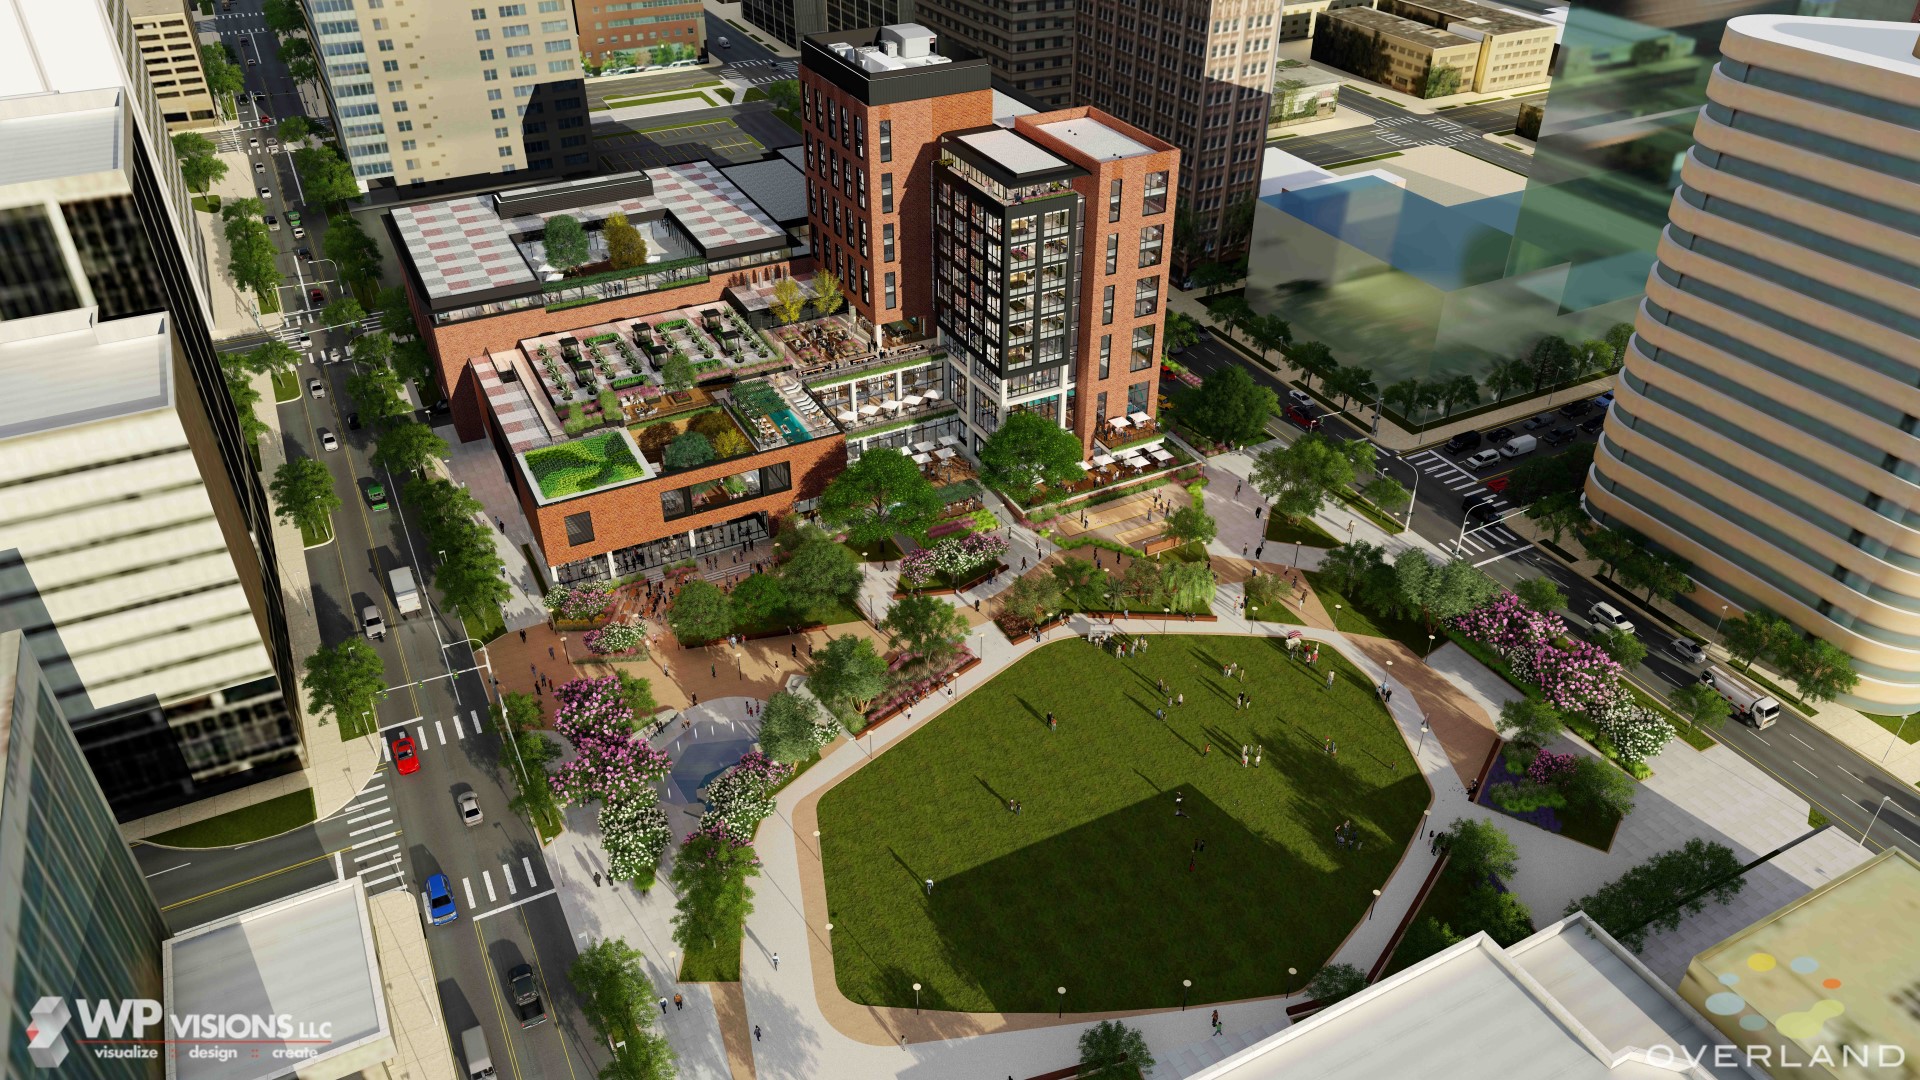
x=265, y=119
x=1498, y=484
x=404, y=758
x=316, y=296
x=1304, y=416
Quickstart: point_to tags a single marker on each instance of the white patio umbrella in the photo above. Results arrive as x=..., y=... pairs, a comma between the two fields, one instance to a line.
x=1141, y=418
x=925, y=446
x=912, y=400
x=1118, y=421
x=891, y=405
x=848, y=416
x=1103, y=461
x=932, y=395
x=869, y=410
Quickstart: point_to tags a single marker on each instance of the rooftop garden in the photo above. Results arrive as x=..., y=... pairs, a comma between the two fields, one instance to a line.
x=582, y=465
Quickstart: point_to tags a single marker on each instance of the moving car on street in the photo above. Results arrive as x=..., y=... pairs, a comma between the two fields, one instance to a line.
x=526, y=996
x=469, y=805
x=1687, y=650
x=440, y=906
x=405, y=759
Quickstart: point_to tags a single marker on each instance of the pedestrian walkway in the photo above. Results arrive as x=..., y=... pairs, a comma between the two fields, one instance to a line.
x=476, y=467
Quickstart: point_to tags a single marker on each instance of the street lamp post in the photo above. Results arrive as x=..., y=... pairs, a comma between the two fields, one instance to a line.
x=1375, y=904
x=1166, y=616
x=1062, y=1010
x=1291, y=974
x=1430, y=640
x=1898, y=732
x=1721, y=619
x=1875, y=819
x=1185, y=985
x=916, y=999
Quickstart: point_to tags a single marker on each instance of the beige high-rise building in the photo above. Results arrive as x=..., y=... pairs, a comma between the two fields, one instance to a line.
x=171, y=50
x=1764, y=428
x=429, y=90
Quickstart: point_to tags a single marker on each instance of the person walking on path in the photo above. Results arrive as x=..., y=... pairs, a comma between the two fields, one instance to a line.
x=1216, y=1021
x=756, y=1033
x=663, y=1005
x=929, y=886
x=678, y=1003
x=550, y=655
x=776, y=961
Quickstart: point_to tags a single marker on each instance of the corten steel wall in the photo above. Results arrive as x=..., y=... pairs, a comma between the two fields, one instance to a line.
x=1765, y=419
x=917, y=127
x=631, y=515
x=452, y=346
x=1093, y=188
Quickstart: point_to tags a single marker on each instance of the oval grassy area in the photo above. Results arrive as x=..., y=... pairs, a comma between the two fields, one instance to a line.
x=1088, y=886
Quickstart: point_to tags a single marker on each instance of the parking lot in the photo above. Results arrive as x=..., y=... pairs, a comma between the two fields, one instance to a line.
x=651, y=146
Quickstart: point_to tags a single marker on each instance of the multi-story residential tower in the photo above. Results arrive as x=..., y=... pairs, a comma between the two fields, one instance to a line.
x=1764, y=429
x=624, y=33
x=170, y=47
x=1028, y=43
x=793, y=21
x=424, y=90
x=79, y=921
x=133, y=550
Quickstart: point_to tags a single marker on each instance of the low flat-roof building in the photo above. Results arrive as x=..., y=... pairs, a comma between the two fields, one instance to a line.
x=1429, y=48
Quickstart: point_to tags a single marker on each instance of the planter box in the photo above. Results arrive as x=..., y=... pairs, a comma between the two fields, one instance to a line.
x=942, y=590
x=1173, y=617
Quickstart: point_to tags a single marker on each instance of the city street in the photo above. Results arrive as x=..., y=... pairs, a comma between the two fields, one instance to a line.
x=1832, y=776
x=1396, y=129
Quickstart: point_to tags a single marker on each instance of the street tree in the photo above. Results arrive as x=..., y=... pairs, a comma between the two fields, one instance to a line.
x=614, y=991
x=1192, y=525
x=379, y=395
x=1540, y=594
x=1387, y=493
x=1660, y=573
x=1818, y=667
x=251, y=256
x=294, y=129
x=1208, y=277
x=327, y=179
x=373, y=349
x=1228, y=406
x=1269, y=332
x=283, y=17
x=1352, y=563
x=444, y=510
x=1558, y=514
x=1406, y=394
x=345, y=682
x=342, y=311
x=792, y=727
x=881, y=494
x=1335, y=982
x=225, y=77
x=1298, y=478
x=626, y=248
x=408, y=447
x=396, y=318
x=1699, y=705
x=1351, y=383
x=1114, y=1051
x=926, y=626
x=785, y=94
x=1182, y=331
x=828, y=294
x=1656, y=894
x=352, y=250
x=1617, y=337
x=645, y=1056
x=820, y=573
x=1313, y=359
x=1530, y=723
x=470, y=579
x=304, y=69
x=1459, y=390
x=847, y=673
x=1028, y=450
x=412, y=362
x=1229, y=313
x=1624, y=646
x=303, y=494
x=1438, y=591
x=245, y=398
x=564, y=242
x=1614, y=547
x=292, y=49
x=269, y=358
x=710, y=877
x=701, y=612
x=1506, y=376
x=1478, y=850
x=200, y=165
x=1538, y=477
x=524, y=757
x=1551, y=359
x=1754, y=634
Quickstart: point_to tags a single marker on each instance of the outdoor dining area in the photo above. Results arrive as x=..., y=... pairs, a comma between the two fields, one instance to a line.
x=941, y=459
x=1132, y=425
x=826, y=344
x=888, y=408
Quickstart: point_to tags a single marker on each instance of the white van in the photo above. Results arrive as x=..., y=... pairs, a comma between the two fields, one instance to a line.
x=473, y=1046
x=1518, y=445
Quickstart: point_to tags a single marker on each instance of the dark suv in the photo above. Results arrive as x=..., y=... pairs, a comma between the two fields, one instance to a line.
x=1463, y=442
x=1559, y=436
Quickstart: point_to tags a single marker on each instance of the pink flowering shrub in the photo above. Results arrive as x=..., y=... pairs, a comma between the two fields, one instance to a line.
x=594, y=717
x=954, y=556
x=613, y=638
x=1574, y=675
x=743, y=795
x=1548, y=766
x=581, y=602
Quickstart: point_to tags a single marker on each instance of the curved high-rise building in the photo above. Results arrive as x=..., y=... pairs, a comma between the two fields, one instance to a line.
x=1766, y=418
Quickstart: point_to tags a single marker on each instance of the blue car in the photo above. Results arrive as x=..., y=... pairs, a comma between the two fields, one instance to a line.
x=440, y=900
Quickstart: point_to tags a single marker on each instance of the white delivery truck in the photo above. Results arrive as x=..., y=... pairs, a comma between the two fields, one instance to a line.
x=473, y=1046
x=1750, y=706
x=1518, y=445
x=406, y=595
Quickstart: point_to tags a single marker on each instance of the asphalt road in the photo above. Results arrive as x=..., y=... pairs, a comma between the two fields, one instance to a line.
x=1396, y=129
x=1834, y=778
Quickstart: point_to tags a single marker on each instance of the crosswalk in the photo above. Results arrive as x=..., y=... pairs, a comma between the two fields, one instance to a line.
x=1422, y=131
x=373, y=854
x=418, y=727
x=301, y=324
x=1497, y=540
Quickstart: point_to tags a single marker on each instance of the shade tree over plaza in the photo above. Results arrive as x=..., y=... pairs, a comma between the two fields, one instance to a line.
x=879, y=495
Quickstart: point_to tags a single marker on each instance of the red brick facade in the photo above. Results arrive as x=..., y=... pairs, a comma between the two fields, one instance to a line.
x=916, y=127
x=451, y=347
x=632, y=515
x=1096, y=189
x=673, y=24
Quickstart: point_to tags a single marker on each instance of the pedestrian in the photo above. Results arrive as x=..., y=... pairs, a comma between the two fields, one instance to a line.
x=712, y=673
x=1180, y=698
x=793, y=650
x=1190, y=860
x=1203, y=844
x=1051, y=724
x=1243, y=550
x=1329, y=678
x=1236, y=487
x=756, y=1033
x=523, y=637
x=1256, y=512
x=1243, y=757
x=1327, y=748
x=1196, y=844
x=776, y=961
x=550, y=655
x=1259, y=549
x=1257, y=752
x=1016, y=806
x=1206, y=749
x=1216, y=1021
x=663, y=1006
x=929, y=886
x=1177, y=812
x=1160, y=715
x=679, y=1003
x=1389, y=695
x=1335, y=751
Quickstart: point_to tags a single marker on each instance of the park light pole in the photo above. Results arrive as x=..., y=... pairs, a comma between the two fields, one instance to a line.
x=1898, y=732
x=1291, y=973
x=1166, y=616
x=1375, y=904
x=1430, y=640
x=916, y=999
x=1185, y=985
x=1721, y=619
x=1423, y=742
x=1875, y=820
x=1062, y=1010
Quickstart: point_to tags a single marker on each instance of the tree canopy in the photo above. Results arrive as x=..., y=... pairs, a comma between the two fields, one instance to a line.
x=565, y=242
x=407, y=447
x=1298, y=478
x=303, y=494
x=926, y=626
x=1657, y=893
x=344, y=681
x=1228, y=406
x=1027, y=450
x=701, y=612
x=626, y=248
x=879, y=495
x=847, y=673
x=1114, y=1051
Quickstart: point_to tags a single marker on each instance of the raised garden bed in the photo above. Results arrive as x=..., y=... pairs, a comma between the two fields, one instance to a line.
x=1589, y=825
x=944, y=586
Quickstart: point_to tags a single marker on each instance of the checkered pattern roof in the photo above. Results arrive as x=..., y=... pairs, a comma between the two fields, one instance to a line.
x=461, y=246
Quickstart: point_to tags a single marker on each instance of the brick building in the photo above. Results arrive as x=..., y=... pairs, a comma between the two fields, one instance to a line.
x=636, y=33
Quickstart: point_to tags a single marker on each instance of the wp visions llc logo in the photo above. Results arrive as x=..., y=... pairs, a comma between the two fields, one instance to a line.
x=141, y=1028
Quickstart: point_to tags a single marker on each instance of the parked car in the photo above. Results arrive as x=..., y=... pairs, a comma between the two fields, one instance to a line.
x=725, y=44
x=405, y=759
x=1499, y=484
x=315, y=386
x=327, y=441
x=1687, y=650
x=1482, y=459
x=1575, y=407
x=1559, y=436
x=1518, y=445
x=1593, y=426
x=1300, y=397
x=440, y=906
x=1604, y=400
x=1463, y=442
x=1499, y=435
x=469, y=804
x=1545, y=419
x=1607, y=617
x=1304, y=416
x=273, y=223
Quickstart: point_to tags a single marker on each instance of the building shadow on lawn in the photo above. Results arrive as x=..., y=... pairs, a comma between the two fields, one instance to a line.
x=1122, y=908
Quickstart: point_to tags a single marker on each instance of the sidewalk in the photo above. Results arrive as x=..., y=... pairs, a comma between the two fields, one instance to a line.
x=476, y=467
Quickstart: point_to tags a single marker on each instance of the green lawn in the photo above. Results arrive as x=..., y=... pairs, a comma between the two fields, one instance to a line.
x=286, y=386
x=1280, y=613
x=1089, y=887
x=876, y=551
x=1303, y=532
x=832, y=615
x=1351, y=620
x=245, y=825
x=1908, y=732
x=489, y=626
x=312, y=538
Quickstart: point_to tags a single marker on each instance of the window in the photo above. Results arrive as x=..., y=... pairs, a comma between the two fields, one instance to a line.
x=1154, y=199
x=548, y=7
x=493, y=95
x=508, y=11
x=499, y=114
x=1113, y=201
x=483, y=34
x=1113, y=252
x=408, y=144
x=399, y=106
x=524, y=71
x=555, y=66
x=403, y=125
x=506, y=151
x=1150, y=243
x=886, y=140
x=500, y=133
x=554, y=26
x=865, y=248
x=1106, y=306
x=886, y=247
x=1146, y=295
x=516, y=51
x=1142, y=349
x=389, y=65
x=886, y=193
x=559, y=45
x=478, y=13
x=490, y=75
x=517, y=30
x=580, y=528
x=1106, y=354
x=386, y=45
x=891, y=300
